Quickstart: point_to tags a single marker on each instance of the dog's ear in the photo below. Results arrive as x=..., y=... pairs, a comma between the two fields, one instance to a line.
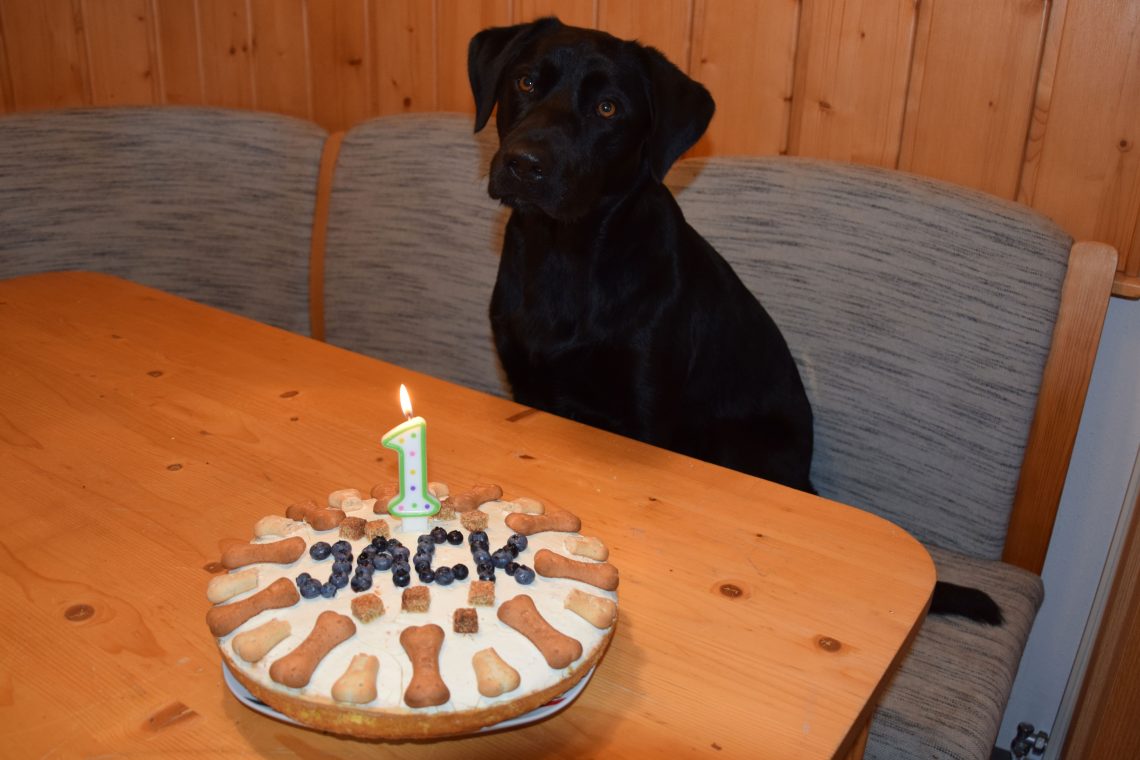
x=489, y=53
x=681, y=111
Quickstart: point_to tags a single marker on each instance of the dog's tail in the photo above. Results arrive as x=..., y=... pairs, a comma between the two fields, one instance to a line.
x=968, y=602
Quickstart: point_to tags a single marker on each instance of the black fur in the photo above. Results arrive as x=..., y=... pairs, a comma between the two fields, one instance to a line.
x=608, y=307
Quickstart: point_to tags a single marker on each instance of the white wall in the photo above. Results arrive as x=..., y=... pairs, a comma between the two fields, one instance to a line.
x=1103, y=458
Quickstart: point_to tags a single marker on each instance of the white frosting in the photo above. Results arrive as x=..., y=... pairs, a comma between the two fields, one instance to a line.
x=381, y=636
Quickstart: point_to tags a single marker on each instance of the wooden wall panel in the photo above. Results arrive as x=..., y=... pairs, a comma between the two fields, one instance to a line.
x=402, y=41
x=457, y=23
x=280, y=57
x=1084, y=154
x=572, y=12
x=179, y=52
x=48, y=66
x=224, y=35
x=744, y=52
x=341, y=62
x=119, y=37
x=1037, y=100
x=972, y=88
x=668, y=28
x=852, y=70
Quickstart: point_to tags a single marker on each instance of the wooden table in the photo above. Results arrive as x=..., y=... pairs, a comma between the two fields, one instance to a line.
x=137, y=429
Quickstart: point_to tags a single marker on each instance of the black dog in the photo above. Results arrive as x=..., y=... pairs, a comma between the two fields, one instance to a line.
x=609, y=308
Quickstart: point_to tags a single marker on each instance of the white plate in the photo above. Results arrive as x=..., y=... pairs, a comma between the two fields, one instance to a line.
x=550, y=708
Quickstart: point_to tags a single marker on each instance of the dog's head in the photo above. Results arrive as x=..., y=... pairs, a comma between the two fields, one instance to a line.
x=582, y=115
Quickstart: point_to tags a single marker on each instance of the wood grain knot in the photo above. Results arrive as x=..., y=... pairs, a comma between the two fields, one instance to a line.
x=77, y=613
x=175, y=712
x=289, y=394
x=525, y=456
x=155, y=373
x=732, y=590
x=828, y=644
x=174, y=467
x=214, y=567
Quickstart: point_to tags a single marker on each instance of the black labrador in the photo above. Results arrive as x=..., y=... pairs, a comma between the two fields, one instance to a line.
x=608, y=307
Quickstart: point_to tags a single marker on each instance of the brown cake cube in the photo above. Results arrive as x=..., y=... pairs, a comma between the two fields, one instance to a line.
x=473, y=520
x=465, y=620
x=446, y=512
x=367, y=607
x=481, y=593
x=352, y=528
x=377, y=527
x=416, y=599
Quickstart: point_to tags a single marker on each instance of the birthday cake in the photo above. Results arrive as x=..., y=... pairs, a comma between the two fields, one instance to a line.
x=339, y=618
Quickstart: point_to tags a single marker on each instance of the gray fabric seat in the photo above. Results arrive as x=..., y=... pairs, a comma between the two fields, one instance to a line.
x=920, y=315
x=210, y=204
x=410, y=216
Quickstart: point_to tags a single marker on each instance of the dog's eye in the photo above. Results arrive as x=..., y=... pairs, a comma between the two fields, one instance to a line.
x=607, y=109
x=525, y=84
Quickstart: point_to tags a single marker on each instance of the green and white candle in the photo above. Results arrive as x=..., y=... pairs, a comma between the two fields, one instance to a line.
x=413, y=505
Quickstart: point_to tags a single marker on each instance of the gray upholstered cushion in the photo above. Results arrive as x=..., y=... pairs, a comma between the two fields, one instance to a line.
x=210, y=204
x=947, y=699
x=413, y=247
x=920, y=315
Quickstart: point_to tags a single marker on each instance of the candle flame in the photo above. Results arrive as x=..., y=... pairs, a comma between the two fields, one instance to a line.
x=405, y=402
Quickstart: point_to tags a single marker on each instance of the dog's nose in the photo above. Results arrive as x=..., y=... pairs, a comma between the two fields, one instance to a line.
x=524, y=164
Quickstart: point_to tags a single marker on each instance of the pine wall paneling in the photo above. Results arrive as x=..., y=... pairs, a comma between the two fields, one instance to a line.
x=1035, y=100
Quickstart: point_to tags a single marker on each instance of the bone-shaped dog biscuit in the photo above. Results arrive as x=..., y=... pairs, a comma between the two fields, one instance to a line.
x=422, y=643
x=493, y=676
x=237, y=553
x=585, y=546
x=225, y=587
x=338, y=497
x=596, y=610
x=296, y=668
x=525, y=504
x=474, y=497
x=558, y=649
x=275, y=525
x=255, y=643
x=555, y=520
x=552, y=565
x=227, y=617
x=321, y=518
x=358, y=684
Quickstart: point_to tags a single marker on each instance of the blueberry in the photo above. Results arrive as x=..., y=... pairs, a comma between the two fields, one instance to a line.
x=380, y=543
x=488, y=575
x=382, y=561
x=328, y=590
x=340, y=580
x=444, y=576
x=310, y=588
x=302, y=578
x=370, y=550
x=455, y=538
x=320, y=550
x=364, y=563
x=425, y=547
x=364, y=570
x=511, y=567
x=484, y=567
x=342, y=546
x=361, y=582
x=477, y=536
x=480, y=556
x=476, y=545
x=524, y=575
x=501, y=557
x=401, y=566
x=517, y=540
x=400, y=553
x=393, y=543
x=342, y=566
x=438, y=534
x=401, y=578
x=421, y=563
x=427, y=576
x=514, y=550
x=461, y=572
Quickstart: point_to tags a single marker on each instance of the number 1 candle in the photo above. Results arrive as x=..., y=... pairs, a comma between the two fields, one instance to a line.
x=413, y=505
